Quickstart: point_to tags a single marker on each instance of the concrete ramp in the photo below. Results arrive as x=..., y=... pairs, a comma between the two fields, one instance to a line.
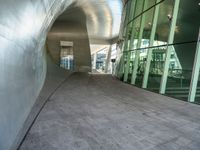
x=98, y=112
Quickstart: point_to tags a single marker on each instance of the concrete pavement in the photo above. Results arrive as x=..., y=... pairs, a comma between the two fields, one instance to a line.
x=98, y=112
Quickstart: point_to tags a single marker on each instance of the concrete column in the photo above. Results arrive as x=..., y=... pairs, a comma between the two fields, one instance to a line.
x=94, y=60
x=108, y=59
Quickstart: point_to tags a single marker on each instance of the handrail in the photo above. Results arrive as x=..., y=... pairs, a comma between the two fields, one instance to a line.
x=151, y=47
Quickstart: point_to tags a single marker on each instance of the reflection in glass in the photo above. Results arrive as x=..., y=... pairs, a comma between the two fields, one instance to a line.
x=182, y=49
x=141, y=65
x=156, y=68
x=131, y=65
x=179, y=77
x=139, y=7
x=164, y=22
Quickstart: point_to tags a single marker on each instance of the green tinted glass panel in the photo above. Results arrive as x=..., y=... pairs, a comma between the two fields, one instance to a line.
x=139, y=7
x=132, y=60
x=180, y=72
x=141, y=65
x=148, y=25
x=156, y=68
x=164, y=22
x=197, y=98
x=188, y=22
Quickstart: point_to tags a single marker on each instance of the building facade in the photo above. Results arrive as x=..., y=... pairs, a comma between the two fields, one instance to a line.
x=158, y=47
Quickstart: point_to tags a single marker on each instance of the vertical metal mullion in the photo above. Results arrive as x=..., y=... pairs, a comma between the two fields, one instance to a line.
x=126, y=37
x=121, y=60
x=168, y=51
x=195, y=73
x=137, y=53
x=126, y=71
x=126, y=24
x=152, y=37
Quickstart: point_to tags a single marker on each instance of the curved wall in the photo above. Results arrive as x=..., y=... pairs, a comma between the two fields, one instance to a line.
x=24, y=25
x=72, y=29
x=23, y=28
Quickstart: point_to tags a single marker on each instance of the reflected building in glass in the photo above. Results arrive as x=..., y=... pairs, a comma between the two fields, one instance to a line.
x=158, y=48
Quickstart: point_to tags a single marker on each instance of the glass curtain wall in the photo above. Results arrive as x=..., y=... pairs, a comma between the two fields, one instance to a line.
x=67, y=57
x=197, y=97
x=120, y=60
x=159, y=46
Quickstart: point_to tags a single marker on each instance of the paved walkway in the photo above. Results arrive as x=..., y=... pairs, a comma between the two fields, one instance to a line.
x=98, y=112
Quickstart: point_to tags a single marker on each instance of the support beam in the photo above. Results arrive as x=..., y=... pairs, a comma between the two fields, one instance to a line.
x=169, y=48
x=94, y=61
x=137, y=53
x=195, y=73
x=108, y=59
x=151, y=42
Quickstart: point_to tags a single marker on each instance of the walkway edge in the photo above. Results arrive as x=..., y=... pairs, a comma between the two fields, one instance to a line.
x=35, y=111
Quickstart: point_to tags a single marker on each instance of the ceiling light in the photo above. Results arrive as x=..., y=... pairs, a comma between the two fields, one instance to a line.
x=169, y=16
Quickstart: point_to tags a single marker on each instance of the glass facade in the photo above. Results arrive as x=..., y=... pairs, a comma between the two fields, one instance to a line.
x=67, y=57
x=103, y=58
x=158, y=45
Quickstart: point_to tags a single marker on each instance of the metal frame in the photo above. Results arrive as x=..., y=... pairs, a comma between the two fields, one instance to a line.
x=126, y=40
x=168, y=51
x=120, y=62
x=195, y=73
x=129, y=46
x=152, y=37
x=137, y=53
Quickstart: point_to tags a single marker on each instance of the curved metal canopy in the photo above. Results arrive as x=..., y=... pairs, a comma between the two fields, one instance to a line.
x=103, y=17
